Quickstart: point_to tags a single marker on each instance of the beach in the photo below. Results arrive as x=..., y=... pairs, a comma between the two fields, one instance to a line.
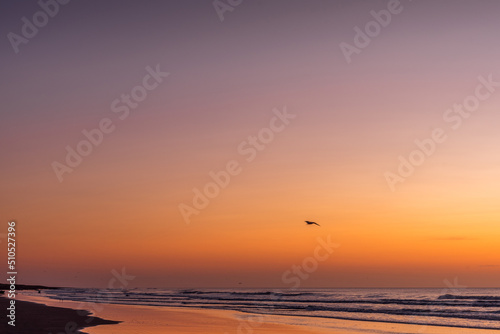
x=35, y=318
x=153, y=319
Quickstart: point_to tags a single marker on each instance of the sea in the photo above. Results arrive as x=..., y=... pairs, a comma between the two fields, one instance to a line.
x=464, y=307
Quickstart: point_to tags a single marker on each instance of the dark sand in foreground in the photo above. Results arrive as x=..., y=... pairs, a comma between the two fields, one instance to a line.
x=32, y=318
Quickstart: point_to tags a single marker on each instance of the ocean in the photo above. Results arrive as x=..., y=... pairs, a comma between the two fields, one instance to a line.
x=467, y=308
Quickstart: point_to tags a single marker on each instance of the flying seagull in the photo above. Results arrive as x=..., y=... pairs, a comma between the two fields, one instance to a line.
x=311, y=223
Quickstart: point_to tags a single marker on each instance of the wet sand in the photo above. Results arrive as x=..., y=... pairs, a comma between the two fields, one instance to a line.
x=155, y=320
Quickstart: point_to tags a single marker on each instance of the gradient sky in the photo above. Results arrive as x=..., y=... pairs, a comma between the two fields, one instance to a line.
x=119, y=207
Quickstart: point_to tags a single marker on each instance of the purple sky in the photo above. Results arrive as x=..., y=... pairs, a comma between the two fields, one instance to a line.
x=352, y=122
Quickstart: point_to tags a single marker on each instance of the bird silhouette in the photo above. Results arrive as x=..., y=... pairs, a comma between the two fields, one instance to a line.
x=311, y=223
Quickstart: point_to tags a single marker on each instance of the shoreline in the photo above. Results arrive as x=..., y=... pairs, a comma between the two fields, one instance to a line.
x=158, y=319
x=39, y=318
x=369, y=320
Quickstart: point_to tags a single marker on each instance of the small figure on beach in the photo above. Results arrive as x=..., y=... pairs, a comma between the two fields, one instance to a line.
x=311, y=223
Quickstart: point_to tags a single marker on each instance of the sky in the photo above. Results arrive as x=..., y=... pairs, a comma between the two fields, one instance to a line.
x=384, y=132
